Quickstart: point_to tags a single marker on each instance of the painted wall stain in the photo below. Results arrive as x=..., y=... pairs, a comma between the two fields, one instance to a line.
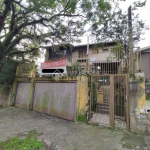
x=52, y=109
x=45, y=102
x=142, y=100
x=37, y=104
x=142, y=104
x=82, y=95
x=64, y=106
x=142, y=85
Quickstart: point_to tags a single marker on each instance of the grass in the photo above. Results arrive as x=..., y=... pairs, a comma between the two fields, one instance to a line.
x=81, y=118
x=147, y=98
x=28, y=143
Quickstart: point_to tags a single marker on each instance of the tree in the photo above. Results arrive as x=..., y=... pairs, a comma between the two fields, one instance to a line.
x=115, y=28
x=26, y=24
x=7, y=73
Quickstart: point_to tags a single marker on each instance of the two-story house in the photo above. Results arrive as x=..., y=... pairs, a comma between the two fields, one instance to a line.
x=96, y=56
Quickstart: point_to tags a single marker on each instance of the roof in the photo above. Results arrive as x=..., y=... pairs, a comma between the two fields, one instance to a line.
x=77, y=47
x=85, y=45
x=145, y=49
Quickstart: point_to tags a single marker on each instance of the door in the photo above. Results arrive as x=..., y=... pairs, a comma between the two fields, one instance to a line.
x=22, y=96
x=55, y=99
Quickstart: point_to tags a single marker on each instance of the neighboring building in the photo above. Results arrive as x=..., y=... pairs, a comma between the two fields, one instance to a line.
x=145, y=61
x=98, y=55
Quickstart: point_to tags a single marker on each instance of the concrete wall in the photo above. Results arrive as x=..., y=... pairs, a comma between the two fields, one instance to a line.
x=4, y=96
x=139, y=106
x=81, y=94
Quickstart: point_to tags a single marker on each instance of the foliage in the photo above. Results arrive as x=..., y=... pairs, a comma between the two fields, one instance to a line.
x=80, y=117
x=115, y=28
x=147, y=98
x=30, y=143
x=26, y=70
x=116, y=53
x=7, y=72
x=26, y=25
x=74, y=67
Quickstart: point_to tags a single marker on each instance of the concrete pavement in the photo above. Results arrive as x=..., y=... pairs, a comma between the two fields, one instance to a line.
x=65, y=135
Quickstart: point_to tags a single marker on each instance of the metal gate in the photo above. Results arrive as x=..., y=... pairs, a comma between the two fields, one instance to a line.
x=109, y=100
x=55, y=99
x=22, y=96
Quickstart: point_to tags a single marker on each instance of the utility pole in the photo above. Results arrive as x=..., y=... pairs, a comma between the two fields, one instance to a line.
x=131, y=56
x=87, y=59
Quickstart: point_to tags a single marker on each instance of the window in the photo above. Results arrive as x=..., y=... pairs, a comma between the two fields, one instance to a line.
x=59, y=54
x=82, y=53
x=105, y=50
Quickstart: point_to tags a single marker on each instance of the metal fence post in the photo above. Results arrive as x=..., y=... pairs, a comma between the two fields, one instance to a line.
x=112, y=118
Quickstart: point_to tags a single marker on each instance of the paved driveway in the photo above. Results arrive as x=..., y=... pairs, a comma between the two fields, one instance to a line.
x=67, y=135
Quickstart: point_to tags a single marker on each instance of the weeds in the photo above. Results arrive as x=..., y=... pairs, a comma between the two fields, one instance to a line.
x=28, y=143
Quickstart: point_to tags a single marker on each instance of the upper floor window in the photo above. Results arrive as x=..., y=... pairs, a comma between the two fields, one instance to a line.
x=82, y=53
x=105, y=50
x=58, y=54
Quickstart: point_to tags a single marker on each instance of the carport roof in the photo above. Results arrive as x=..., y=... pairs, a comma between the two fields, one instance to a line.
x=145, y=49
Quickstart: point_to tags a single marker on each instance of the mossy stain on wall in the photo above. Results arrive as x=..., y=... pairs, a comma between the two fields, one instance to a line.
x=45, y=101
x=37, y=104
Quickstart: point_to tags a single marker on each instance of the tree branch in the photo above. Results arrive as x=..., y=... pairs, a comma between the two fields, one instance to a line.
x=19, y=4
x=23, y=52
x=4, y=14
x=16, y=41
x=12, y=24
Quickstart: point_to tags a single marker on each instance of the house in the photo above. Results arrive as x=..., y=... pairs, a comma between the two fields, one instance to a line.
x=58, y=52
x=97, y=57
x=145, y=61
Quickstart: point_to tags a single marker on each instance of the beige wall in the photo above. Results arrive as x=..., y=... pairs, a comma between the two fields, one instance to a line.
x=97, y=55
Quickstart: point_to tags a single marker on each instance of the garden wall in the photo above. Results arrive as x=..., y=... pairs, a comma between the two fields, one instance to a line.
x=4, y=96
x=139, y=106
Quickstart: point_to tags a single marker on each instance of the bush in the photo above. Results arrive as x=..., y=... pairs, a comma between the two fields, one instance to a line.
x=7, y=72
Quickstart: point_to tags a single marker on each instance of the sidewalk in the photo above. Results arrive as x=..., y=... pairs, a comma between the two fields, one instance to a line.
x=65, y=135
